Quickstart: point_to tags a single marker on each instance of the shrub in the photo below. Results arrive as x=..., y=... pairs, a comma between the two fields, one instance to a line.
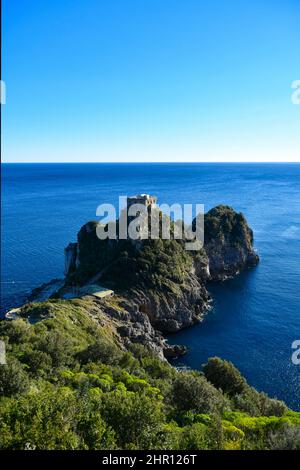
x=137, y=419
x=17, y=331
x=271, y=407
x=100, y=351
x=248, y=401
x=195, y=437
x=13, y=378
x=193, y=392
x=38, y=362
x=223, y=375
x=58, y=347
x=287, y=438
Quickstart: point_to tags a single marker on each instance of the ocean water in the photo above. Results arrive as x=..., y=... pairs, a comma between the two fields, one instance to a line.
x=255, y=317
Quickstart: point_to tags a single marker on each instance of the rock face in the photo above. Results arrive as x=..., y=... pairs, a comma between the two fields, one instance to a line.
x=131, y=325
x=45, y=291
x=70, y=258
x=172, y=351
x=169, y=312
x=228, y=243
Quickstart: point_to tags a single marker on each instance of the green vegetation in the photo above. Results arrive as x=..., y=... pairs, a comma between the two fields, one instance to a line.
x=69, y=384
x=157, y=264
x=224, y=224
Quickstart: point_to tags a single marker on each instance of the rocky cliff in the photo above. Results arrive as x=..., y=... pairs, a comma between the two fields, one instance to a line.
x=228, y=243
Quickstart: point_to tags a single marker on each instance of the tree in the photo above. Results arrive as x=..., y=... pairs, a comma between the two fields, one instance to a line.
x=194, y=392
x=13, y=378
x=137, y=419
x=39, y=362
x=223, y=375
x=102, y=351
x=195, y=437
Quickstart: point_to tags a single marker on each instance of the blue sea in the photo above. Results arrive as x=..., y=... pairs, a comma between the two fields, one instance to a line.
x=255, y=317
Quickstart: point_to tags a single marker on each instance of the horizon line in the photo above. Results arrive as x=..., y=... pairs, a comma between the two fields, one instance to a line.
x=154, y=163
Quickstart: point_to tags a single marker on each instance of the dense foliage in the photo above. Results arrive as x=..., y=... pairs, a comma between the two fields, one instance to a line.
x=224, y=224
x=68, y=384
x=154, y=263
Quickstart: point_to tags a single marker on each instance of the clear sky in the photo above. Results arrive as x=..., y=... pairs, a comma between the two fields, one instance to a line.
x=150, y=80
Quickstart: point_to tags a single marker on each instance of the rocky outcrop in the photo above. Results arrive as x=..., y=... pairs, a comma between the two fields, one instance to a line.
x=132, y=325
x=173, y=351
x=226, y=261
x=170, y=312
x=46, y=290
x=71, y=259
x=228, y=243
x=160, y=287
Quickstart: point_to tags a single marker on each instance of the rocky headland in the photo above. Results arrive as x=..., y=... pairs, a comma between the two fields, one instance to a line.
x=159, y=287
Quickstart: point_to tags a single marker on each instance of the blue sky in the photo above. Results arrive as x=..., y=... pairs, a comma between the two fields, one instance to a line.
x=150, y=80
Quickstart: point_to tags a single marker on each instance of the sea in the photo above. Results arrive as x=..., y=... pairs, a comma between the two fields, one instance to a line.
x=255, y=317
